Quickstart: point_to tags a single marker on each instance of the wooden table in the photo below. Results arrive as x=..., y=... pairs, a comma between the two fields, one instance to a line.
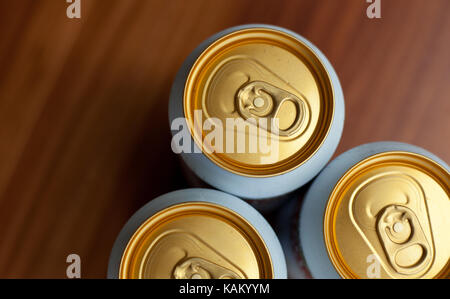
x=84, y=135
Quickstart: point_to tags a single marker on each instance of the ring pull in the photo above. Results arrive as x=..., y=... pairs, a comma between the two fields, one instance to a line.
x=258, y=99
x=403, y=240
x=198, y=268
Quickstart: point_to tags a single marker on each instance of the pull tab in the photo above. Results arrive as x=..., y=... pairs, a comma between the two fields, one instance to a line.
x=258, y=99
x=404, y=241
x=198, y=268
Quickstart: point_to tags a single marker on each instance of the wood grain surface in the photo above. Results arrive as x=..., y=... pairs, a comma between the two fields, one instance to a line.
x=84, y=134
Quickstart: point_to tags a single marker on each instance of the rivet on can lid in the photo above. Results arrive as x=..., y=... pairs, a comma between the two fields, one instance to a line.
x=255, y=74
x=196, y=240
x=388, y=217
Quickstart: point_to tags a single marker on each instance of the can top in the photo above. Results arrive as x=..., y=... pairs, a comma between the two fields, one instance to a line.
x=387, y=217
x=196, y=240
x=250, y=78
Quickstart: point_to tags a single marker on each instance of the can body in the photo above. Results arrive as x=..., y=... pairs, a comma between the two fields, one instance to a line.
x=242, y=174
x=378, y=211
x=178, y=235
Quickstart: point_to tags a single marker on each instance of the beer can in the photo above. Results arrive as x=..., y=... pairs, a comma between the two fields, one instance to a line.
x=256, y=111
x=380, y=210
x=197, y=233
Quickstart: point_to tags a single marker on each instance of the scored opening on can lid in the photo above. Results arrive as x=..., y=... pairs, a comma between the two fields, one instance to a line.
x=251, y=77
x=196, y=240
x=388, y=217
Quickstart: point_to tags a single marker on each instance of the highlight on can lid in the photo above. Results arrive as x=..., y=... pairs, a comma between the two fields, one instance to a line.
x=256, y=74
x=388, y=217
x=197, y=233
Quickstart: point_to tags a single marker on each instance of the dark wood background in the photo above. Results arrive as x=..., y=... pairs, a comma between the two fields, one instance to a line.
x=84, y=135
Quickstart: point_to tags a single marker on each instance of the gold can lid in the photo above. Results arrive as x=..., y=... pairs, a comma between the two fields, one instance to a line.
x=250, y=78
x=196, y=240
x=388, y=217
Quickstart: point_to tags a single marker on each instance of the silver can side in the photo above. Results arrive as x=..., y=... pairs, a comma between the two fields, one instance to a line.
x=311, y=225
x=257, y=188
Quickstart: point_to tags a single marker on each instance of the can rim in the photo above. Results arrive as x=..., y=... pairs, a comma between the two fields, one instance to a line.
x=322, y=65
x=336, y=258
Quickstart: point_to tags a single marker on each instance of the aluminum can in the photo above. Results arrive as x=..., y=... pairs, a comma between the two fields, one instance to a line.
x=262, y=83
x=197, y=233
x=380, y=210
